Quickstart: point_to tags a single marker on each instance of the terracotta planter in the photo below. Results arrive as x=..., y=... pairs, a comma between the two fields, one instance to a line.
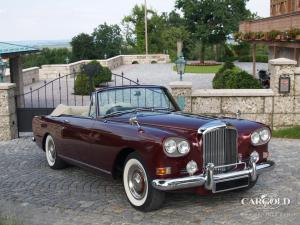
x=278, y=37
x=297, y=37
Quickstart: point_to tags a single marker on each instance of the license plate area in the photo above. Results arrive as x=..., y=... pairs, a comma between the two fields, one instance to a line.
x=231, y=184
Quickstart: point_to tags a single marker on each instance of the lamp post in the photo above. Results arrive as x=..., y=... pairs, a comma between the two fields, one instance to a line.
x=2, y=70
x=146, y=28
x=180, y=66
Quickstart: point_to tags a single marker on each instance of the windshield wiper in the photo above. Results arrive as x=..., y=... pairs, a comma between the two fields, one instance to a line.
x=153, y=109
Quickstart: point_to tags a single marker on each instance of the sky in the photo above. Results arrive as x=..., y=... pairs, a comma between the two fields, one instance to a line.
x=63, y=19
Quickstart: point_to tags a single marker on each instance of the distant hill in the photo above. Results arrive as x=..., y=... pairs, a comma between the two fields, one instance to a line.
x=44, y=43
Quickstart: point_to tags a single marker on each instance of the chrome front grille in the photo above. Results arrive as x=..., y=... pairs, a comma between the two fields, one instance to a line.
x=220, y=147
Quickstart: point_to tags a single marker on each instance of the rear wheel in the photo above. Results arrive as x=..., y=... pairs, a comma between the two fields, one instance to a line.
x=53, y=160
x=137, y=185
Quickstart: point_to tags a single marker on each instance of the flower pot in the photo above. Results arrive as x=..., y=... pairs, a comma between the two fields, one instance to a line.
x=278, y=37
x=297, y=37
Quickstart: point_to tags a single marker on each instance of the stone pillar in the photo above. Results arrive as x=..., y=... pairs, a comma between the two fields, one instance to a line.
x=283, y=103
x=182, y=92
x=8, y=116
x=16, y=75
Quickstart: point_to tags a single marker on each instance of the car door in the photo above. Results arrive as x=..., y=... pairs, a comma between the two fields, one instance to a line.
x=76, y=136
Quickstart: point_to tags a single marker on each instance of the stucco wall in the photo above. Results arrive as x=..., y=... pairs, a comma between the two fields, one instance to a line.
x=266, y=106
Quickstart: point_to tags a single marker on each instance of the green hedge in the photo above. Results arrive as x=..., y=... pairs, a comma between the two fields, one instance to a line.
x=231, y=77
x=101, y=75
x=259, y=58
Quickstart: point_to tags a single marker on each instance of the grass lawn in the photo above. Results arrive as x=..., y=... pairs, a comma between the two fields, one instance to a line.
x=201, y=69
x=6, y=221
x=293, y=133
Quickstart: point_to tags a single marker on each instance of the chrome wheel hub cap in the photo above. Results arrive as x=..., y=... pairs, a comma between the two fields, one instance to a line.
x=137, y=182
x=51, y=151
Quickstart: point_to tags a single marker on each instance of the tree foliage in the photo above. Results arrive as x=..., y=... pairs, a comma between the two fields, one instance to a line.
x=108, y=40
x=211, y=21
x=47, y=56
x=83, y=47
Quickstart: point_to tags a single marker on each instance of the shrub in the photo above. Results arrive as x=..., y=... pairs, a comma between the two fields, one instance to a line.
x=259, y=58
x=240, y=80
x=82, y=85
x=234, y=78
x=218, y=81
x=100, y=75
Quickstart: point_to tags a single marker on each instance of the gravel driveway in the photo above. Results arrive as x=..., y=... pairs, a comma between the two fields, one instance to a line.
x=36, y=195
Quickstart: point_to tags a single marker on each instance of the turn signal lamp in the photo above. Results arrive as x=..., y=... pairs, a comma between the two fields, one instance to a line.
x=163, y=171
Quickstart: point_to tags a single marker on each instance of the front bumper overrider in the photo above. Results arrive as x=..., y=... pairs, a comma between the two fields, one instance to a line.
x=209, y=179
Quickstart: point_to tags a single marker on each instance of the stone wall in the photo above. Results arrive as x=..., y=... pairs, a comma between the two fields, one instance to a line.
x=30, y=75
x=262, y=105
x=52, y=71
x=8, y=117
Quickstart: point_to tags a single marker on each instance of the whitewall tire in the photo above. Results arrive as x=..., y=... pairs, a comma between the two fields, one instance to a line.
x=137, y=185
x=53, y=160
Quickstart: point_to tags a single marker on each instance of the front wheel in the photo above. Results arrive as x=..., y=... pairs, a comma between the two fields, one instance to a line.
x=137, y=185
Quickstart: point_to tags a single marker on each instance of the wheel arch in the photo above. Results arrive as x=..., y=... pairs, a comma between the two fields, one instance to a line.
x=120, y=161
x=44, y=141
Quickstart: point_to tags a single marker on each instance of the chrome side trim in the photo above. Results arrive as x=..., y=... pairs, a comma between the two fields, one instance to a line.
x=208, y=179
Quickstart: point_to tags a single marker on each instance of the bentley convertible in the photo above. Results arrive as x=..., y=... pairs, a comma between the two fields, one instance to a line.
x=140, y=134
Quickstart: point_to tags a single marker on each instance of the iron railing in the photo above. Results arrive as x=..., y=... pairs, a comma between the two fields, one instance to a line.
x=61, y=90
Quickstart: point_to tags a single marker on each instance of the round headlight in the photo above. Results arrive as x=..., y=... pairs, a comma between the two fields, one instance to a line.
x=265, y=134
x=255, y=138
x=170, y=146
x=183, y=147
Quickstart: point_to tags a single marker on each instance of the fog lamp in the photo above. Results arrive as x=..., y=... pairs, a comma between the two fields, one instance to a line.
x=191, y=167
x=254, y=157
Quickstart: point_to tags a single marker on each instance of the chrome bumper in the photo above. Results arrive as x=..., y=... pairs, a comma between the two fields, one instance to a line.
x=209, y=179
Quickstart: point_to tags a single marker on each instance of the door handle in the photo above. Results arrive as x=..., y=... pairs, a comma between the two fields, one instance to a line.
x=66, y=121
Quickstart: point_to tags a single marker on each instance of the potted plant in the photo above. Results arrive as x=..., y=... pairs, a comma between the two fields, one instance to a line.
x=274, y=35
x=259, y=35
x=291, y=34
x=238, y=36
x=249, y=36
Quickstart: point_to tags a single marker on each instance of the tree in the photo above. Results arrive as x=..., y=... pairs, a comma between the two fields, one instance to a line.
x=211, y=21
x=135, y=30
x=83, y=47
x=108, y=40
x=173, y=32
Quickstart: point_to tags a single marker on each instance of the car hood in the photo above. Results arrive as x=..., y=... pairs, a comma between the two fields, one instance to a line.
x=186, y=121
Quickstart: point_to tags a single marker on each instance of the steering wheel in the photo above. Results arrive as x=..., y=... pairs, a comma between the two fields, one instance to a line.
x=116, y=108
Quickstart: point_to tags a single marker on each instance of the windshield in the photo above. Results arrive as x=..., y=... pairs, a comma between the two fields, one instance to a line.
x=122, y=100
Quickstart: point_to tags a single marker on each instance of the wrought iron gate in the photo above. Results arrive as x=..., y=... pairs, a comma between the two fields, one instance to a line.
x=44, y=99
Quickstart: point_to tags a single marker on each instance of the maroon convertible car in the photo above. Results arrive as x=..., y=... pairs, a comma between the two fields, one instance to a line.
x=139, y=133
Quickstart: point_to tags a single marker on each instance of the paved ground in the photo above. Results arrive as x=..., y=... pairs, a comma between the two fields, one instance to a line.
x=249, y=66
x=34, y=194
x=163, y=74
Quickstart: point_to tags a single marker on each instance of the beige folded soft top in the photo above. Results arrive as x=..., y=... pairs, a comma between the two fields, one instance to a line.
x=70, y=110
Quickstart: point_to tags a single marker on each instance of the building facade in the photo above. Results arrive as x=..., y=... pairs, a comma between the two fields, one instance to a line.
x=285, y=16
x=280, y=7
